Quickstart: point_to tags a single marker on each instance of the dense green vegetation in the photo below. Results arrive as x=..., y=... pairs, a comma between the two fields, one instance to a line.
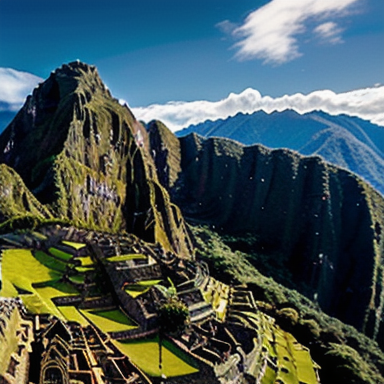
x=326, y=337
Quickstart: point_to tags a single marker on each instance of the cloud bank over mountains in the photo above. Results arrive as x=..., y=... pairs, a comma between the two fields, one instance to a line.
x=364, y=103
x=14, y=87
x=271, y=32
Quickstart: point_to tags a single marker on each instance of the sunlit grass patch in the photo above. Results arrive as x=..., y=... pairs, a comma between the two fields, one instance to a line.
x=21, y=269
x=122, y=258
x=137, y=289
x=110, y=321
x=269, y=376
x=84, y=269
x=72, y=314
x=304, y=365
x=86, y=261
x=145, y=354
x=74, y=245
x=38, y=305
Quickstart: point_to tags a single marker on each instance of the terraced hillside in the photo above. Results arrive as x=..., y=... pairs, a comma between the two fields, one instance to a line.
x=113, y=285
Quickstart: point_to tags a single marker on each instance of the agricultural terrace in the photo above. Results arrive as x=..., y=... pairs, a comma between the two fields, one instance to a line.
x=145, y=354
x=293, y=363
x=216, y=293
x=288, y=361
x=34, y=279
x=113, y=320
x=137, y=289
x=122, y=258
x=76, y=246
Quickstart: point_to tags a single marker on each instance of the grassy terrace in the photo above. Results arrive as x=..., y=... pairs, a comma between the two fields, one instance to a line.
x=110, y=320
x=121, y=258
x=85, y=261
x=216, y=293
x=76, y=246
x=72, y=314
x=50, y=262
x=145, y=354
x=64, y=256
x=37, y=284
x=137, y=289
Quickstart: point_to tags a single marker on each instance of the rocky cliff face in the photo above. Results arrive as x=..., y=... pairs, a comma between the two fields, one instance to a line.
x=316, y=223
x=166, y=153
x=87, y=158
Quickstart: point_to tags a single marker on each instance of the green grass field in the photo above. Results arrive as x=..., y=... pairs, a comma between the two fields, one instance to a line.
x=16, y=261
x=109, y=321
x=122, y=258
x=72, y=314
x=145, y=354
x=36, y=278
x=76, y=246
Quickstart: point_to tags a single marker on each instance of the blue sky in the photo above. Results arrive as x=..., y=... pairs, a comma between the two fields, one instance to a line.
x=157, y=51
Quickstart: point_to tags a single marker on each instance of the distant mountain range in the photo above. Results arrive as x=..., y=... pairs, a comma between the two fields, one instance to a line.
x=346, y=141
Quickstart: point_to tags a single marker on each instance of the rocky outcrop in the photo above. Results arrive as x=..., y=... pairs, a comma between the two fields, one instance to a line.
x=165, y=150
x=86, y=157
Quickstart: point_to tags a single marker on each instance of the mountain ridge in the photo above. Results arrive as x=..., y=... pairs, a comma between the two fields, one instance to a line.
x=289, y=129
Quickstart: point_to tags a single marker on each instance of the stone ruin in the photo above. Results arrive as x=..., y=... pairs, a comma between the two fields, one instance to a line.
x=229, y=339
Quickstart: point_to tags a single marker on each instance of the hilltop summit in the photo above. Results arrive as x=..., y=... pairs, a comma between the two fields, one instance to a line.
x=87, y=158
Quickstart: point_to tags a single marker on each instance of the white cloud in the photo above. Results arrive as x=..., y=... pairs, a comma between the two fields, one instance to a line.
x=270, y=33
x=364, y=103
x=15, y=86
x=329, y=32
x=226, y=26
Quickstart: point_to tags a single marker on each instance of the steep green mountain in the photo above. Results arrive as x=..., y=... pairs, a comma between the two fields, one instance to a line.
x=312, y=226
x=346, y=141
x=16, y=200
x=86, y=157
